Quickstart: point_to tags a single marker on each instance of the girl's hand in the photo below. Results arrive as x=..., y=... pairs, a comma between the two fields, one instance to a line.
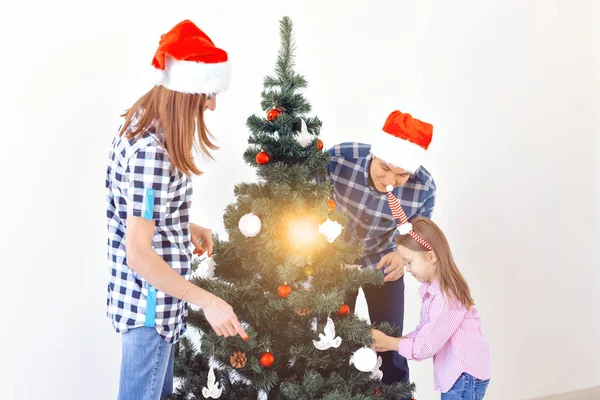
x=383, y=342
x=201, y=239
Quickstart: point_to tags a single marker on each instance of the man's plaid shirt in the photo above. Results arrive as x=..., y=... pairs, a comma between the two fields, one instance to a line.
x=371, y=222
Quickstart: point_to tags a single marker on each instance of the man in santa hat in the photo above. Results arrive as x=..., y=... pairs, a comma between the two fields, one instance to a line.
x=361, y=175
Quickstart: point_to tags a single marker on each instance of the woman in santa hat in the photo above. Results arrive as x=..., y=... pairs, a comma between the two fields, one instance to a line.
x=149, y=188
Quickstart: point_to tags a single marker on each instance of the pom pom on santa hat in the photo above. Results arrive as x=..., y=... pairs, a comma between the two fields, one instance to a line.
x=403, y=142
x=187, y=61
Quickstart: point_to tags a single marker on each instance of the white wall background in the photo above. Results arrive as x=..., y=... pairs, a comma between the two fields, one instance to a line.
x=509, y=86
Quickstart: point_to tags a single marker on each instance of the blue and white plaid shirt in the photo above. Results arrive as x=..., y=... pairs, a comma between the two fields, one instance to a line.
x=140, y=182
x=371, y=222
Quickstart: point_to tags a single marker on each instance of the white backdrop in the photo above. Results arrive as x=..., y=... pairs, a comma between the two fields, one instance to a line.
x=509, y=86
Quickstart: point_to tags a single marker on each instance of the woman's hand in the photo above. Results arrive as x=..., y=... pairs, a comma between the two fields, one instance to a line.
x=201, y=239
x=221, y=317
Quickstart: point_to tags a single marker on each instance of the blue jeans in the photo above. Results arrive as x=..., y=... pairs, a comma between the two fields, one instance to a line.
x=146, y=365
x=467, y=387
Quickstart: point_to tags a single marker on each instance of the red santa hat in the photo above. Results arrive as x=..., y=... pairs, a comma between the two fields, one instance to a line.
x=403, y=142
x=187, y=61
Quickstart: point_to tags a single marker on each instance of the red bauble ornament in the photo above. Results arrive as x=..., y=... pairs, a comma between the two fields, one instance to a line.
x=344, y=310
x=331, y=205
x=266, y=359
x=319, y=144
x=284, y=291
x=262, y=158
x=274, y=113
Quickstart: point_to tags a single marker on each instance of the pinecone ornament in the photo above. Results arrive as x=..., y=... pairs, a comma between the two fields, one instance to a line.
x=238, y=360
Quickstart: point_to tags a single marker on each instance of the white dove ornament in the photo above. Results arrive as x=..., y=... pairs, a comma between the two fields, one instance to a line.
x=328, y=339
x=377, y=373
x=213, y=390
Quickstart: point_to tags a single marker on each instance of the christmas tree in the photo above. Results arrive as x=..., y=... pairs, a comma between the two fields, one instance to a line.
x=285, y=270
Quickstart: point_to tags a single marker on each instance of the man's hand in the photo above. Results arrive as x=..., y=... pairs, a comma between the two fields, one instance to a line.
x=395, y=266
x=201, y=239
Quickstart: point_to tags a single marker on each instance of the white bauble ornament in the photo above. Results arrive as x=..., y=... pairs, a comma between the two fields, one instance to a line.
x=364, y=359
x=249, y=225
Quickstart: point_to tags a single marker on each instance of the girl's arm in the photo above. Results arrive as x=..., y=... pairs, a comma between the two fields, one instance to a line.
x=384, y=342
x=444, y=319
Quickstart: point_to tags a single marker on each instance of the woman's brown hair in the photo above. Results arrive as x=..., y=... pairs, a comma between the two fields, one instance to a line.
x=178, y=116
x=452, y=283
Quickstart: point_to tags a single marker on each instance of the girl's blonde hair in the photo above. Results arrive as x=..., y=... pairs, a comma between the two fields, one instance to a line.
x=452, y=283
x=178, y=116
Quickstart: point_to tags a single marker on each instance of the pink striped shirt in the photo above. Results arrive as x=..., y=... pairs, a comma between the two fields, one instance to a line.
x=451, y=335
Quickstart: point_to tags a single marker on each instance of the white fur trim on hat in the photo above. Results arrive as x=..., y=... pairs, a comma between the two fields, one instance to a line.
x=397, y=151
x=194, y=77
x=405, y=228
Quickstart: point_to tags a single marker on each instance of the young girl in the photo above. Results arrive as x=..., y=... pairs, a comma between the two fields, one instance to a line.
x=450, y=328
x=149, y=188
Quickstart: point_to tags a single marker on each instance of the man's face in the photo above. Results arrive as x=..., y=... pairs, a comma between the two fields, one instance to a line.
x=383, y=174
